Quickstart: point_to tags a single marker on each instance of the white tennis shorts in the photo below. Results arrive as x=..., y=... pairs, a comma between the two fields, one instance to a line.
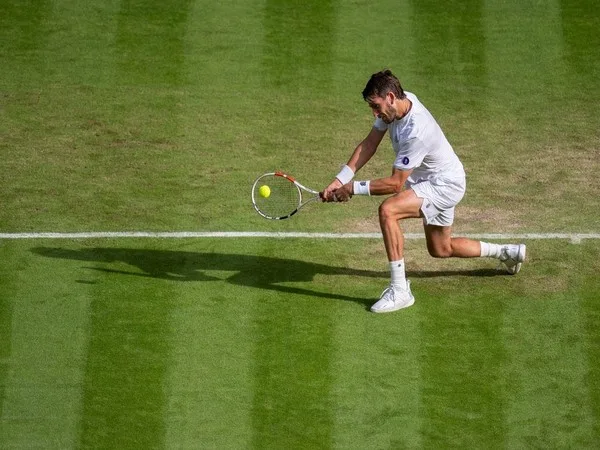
x=440, y=196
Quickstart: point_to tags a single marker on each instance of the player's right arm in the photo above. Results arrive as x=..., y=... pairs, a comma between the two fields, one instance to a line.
x=361, y=156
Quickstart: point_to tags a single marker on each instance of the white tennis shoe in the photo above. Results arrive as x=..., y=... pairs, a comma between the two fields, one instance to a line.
x=513, y=255
x=393, y=299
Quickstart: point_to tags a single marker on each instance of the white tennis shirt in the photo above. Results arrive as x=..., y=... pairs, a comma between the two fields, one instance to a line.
x=420, y=144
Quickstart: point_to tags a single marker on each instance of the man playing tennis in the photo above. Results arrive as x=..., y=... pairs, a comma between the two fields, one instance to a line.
x=427, y=181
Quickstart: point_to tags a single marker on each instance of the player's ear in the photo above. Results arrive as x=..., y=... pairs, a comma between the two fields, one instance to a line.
x=391, y=97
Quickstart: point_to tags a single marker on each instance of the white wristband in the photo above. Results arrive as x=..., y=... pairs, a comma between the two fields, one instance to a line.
x=345, y=176
x=362, y=188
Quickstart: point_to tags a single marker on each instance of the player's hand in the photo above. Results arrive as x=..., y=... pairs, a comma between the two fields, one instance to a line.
x=327, y=193
x=344, y=193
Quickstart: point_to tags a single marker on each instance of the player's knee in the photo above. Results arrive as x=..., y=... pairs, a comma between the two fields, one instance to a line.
x=388, y=211
x=440, y=251
x=385, y=212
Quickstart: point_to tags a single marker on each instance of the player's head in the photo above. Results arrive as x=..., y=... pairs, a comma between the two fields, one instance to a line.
x=382, y=83
x=381, y=93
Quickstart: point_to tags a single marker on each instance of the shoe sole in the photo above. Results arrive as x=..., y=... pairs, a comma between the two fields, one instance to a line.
x=520, y=259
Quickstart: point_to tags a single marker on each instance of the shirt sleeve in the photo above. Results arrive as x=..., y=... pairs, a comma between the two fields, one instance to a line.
x=410, y=154
x=380, y=125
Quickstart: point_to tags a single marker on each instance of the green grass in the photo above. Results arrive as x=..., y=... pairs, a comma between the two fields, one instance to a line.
x=217, y=343
x=141, y=115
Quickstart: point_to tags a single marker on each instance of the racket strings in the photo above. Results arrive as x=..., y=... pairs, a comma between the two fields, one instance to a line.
x=284, y=198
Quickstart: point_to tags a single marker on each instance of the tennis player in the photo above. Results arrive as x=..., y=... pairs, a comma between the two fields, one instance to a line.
x=427, y=181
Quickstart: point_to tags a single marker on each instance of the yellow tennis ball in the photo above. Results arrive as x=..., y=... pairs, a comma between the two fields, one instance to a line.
x=264, y=191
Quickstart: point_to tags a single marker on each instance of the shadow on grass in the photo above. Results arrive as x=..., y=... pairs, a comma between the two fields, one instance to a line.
x=261, y=272
x=456, y=273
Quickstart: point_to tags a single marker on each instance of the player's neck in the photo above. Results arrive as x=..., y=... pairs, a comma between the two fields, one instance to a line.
x=403, y=106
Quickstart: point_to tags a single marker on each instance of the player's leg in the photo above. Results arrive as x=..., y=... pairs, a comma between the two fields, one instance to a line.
x=404, y=205
x=401, y=206
x=439, y=200
x=441, y=244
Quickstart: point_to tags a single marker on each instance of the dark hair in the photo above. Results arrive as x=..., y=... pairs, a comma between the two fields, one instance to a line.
x=381, y=83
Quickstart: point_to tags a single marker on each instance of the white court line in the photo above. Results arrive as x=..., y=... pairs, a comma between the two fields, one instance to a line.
x=575, y=238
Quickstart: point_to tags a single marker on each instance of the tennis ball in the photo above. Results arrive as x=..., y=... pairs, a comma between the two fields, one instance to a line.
x=264, y=191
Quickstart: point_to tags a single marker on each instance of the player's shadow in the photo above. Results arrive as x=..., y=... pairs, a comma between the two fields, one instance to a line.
x=263, y=272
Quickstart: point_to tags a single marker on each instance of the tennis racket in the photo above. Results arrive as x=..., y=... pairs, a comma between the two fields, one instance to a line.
x=283, y=196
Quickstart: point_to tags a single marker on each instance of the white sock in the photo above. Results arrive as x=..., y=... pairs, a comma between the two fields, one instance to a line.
x=490, y=250
x=398, y=274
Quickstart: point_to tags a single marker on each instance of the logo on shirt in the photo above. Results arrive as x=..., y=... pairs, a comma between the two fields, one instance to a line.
x=405, y=160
